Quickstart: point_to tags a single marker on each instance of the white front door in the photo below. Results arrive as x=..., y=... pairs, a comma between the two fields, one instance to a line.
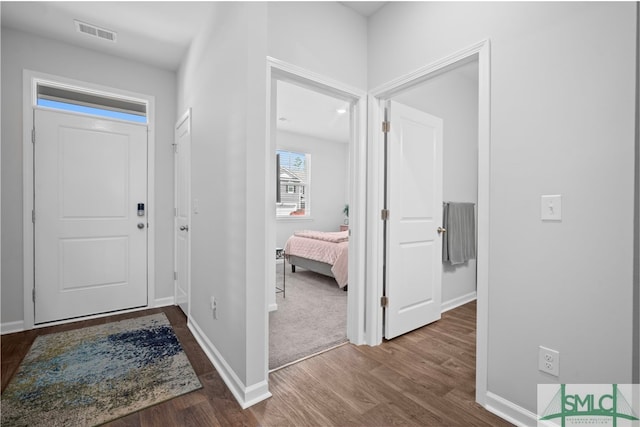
x=182, y=211
x=414, y=201
x=90, y=244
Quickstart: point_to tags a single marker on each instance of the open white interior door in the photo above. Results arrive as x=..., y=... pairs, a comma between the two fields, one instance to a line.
x=90, y=216
x=414, y=200
x=182, y=212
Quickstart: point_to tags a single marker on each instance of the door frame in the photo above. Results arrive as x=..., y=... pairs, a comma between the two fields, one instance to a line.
x=30, y=80
x=280, y=70
x=185, y=117
x=376, y=102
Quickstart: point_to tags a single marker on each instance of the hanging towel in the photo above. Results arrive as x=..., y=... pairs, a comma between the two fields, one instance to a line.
x=459, y=244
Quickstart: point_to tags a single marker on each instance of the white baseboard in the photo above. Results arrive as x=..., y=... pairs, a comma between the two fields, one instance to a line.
x=11, y=327
x=273, y=307
x=457, y=302
x=246, y=396
x=163, y=302
x=509, y=411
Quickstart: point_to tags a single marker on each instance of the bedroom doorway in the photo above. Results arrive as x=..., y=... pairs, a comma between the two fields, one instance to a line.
x=318, y=185
x=475, y=60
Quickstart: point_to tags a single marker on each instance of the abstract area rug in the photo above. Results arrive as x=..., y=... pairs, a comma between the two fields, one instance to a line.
x=310, y=319
x=92, y=375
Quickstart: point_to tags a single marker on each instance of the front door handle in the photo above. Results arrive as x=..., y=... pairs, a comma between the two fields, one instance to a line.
x=184, y=228
x=441, y=230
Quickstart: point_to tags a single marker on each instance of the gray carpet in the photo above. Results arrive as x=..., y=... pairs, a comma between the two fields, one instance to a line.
x=311, y=318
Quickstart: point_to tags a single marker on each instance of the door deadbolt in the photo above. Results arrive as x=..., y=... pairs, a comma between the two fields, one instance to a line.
x=141, y=225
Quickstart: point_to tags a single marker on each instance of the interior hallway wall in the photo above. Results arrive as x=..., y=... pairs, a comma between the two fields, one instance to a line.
x=453, y=96
x=636, y=274
x=562, y=122
x=326, y=38
x=22, y=50
x=222, y=79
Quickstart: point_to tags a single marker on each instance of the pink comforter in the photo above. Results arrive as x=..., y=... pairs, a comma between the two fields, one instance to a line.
x=321, y=248
x=327, y=236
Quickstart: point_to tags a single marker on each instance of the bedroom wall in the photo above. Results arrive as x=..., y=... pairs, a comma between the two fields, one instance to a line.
x=328, y=184
x=222, y=78
x=453, y=97
x=562, y=122
x=22, y=50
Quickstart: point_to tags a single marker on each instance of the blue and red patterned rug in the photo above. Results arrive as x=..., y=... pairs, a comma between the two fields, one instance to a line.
x=92, y=375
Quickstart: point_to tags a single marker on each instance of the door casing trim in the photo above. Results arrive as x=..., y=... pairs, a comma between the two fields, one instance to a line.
x=281, y=70
x=374, y=273
x=30, y=80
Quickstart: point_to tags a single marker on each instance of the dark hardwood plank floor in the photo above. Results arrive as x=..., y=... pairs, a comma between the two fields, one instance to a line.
x=424, y=378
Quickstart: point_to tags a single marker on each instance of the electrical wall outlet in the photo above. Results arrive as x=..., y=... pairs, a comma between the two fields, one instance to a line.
x=549, y=361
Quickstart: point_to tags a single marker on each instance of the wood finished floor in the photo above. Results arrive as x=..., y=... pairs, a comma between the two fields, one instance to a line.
x=423, y=378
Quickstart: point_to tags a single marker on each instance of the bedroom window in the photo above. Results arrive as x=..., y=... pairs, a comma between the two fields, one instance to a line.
x=292, y=183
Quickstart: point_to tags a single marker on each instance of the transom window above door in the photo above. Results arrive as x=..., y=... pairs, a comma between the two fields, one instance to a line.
x=78, y=101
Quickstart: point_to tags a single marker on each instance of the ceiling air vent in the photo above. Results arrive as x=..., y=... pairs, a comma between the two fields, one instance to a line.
x=92, y=30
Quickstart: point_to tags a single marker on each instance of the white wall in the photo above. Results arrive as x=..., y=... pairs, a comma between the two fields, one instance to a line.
x=324, y=37
x=636, y=275
x=329, y=184
x=222, y=79
x=24, y=51
x=562, y=122
x=453, y=96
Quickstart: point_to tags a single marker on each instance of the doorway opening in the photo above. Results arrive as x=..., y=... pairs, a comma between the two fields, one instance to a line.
x=317, y=171
x=465, y=282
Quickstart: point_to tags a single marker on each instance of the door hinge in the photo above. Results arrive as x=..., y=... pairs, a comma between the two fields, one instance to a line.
x=175, y=211
x=384, y=301
x=33, y=295
x=386, y=127
x=175, y=147
x=33, y=135
x=384, y=214
x=33, y=216
x=175, y=275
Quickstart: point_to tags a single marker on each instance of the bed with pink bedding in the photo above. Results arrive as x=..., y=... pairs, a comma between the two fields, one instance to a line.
x=320, y=251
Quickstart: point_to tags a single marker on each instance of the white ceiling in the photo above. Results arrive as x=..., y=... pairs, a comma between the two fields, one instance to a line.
x=157, y=32
x=311, y=113
x=153, y=32
x=364, y=8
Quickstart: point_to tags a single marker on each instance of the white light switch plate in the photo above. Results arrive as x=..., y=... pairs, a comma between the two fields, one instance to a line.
x=551, y=207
